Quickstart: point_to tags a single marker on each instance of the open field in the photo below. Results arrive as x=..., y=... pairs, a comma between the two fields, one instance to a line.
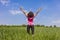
x=19, y=33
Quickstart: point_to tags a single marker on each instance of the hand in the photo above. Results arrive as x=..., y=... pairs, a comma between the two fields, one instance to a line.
x=21, y=8
x=39, y=9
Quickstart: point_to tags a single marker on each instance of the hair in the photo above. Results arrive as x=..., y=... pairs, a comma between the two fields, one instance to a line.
x=30, y=14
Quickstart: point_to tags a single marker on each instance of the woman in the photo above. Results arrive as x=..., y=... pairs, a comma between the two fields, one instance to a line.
x=30, y=17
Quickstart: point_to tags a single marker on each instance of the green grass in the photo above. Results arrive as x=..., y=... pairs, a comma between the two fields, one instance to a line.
x=19, y=33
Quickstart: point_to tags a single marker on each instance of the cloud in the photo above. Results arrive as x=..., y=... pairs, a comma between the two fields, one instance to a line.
x=56, y=21
x=15, y=12
x=4, y=2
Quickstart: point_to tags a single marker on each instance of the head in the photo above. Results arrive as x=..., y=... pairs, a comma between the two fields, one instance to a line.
x=30, y=14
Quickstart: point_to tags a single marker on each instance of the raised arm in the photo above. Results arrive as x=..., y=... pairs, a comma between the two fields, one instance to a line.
x=23, y=11
x=37, y=11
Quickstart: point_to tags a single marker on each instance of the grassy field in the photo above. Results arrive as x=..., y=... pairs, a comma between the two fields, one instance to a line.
x=19, y=33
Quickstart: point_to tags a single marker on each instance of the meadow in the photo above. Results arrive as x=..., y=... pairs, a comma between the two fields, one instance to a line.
x=19, y=33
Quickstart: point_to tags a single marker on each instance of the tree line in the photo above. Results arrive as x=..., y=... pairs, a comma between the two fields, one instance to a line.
x=23, y=25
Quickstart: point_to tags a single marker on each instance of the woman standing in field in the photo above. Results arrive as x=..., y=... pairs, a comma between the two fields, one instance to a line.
x=30, y=16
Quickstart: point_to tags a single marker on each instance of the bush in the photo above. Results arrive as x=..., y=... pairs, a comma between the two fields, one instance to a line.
x=23, y=25
x=37, y=25
x=54, y=25
x=42, y=25
x=46, y=26
x=51, y=26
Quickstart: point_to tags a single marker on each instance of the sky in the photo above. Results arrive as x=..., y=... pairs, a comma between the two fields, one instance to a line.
x=10, y=13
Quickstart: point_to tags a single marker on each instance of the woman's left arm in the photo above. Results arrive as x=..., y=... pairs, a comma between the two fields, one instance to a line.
x=37, y=11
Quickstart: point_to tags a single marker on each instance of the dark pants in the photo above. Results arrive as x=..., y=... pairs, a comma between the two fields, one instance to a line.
x=30, y=27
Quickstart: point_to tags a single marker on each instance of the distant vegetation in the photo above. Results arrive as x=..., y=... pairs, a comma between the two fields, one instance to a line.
x=23, y=25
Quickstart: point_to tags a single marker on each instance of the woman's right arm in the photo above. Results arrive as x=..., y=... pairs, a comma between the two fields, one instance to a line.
x=23, y=11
